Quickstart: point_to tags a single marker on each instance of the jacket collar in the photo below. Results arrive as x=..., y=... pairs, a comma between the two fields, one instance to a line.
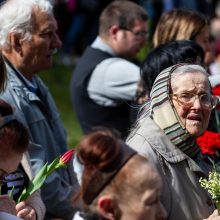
x=19, y=85
x=164, y=147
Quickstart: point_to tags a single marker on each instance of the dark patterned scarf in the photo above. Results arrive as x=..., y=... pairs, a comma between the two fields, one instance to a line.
x=165, y=116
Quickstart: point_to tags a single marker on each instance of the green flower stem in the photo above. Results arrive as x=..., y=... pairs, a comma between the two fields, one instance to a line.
x=11, y=193
x=44, y=172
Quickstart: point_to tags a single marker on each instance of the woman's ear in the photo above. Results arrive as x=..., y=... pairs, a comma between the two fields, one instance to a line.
x=105, y=207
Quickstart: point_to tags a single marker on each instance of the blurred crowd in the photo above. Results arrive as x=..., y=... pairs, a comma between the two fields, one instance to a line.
x=78, y=20
x=139, y=157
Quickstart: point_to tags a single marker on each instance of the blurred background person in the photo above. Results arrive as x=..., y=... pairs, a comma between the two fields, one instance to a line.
x=15, y=172
x=28, y=41
x=111, y=170
x=183, y=24
x=105, y=78
x=83, y=28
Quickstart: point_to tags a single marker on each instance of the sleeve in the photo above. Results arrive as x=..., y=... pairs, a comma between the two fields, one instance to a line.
x=36, y=203
x=138, y=143
x=144, y=148
x=115, y=78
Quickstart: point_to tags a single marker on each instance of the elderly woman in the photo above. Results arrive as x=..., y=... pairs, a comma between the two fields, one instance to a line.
x=178, y=112
x=114, y=175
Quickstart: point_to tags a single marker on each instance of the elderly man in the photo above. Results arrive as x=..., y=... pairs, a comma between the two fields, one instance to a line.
x=28, y=40
x=105, y=79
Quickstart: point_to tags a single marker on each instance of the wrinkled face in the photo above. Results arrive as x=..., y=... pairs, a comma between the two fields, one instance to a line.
x=37, y=53
x=130, y=41
x=142, y=201
x=195, y=118
x=9, y=163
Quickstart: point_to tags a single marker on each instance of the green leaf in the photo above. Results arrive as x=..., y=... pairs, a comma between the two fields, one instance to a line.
x=51, y=167
x=35, y=184
x=11, y=192
x=23, y=195
x=39, y=179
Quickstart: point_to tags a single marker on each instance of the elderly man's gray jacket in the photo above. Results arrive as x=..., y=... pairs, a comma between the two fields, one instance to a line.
x=182, y=194
x=48, y=141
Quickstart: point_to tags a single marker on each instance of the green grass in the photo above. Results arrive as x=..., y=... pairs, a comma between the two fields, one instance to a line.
x=58, y=81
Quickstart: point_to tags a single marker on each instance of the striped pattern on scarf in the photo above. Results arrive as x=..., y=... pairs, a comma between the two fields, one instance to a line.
x=165, y=116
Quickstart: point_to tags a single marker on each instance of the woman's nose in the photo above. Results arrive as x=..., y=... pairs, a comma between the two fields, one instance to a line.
x=197, y=103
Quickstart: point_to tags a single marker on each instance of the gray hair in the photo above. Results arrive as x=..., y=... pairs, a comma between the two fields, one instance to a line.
x=175, y=72
x=190, y=68
x=16, y=17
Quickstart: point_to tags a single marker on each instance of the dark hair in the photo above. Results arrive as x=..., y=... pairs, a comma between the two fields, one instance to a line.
x=13, y=134
x=120, y=13
x=103, y=155
x=166, y=55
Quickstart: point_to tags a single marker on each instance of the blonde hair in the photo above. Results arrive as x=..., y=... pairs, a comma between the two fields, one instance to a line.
x=179, y=24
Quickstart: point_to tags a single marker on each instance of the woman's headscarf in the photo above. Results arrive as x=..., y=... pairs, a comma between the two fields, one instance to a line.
x=162, y=111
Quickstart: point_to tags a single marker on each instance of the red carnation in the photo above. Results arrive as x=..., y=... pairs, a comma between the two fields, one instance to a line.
x=216, y=90
x=209, y=142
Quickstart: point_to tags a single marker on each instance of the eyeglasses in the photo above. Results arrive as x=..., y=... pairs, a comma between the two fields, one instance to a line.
x=187, y=99
x=139, y=34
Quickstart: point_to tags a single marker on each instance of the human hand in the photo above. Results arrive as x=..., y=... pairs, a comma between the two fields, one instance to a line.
x=7, y=204
x=214, y=216
x=25, y=211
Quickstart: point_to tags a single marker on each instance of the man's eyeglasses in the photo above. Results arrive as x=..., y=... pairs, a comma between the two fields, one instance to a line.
x=187, y=99
x=139, y=34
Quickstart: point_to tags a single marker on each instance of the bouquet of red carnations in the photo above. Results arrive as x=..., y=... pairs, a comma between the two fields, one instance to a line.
x=209, y=144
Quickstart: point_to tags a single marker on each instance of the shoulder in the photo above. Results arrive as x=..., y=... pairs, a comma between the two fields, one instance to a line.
x=139, y=140
x=117, y=68
x=121, y=63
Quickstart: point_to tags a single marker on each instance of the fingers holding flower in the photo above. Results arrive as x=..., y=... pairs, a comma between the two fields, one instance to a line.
x=25, y=211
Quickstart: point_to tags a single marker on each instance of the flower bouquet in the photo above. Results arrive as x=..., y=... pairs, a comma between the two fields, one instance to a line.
x=44, y=172
x=209, y=144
